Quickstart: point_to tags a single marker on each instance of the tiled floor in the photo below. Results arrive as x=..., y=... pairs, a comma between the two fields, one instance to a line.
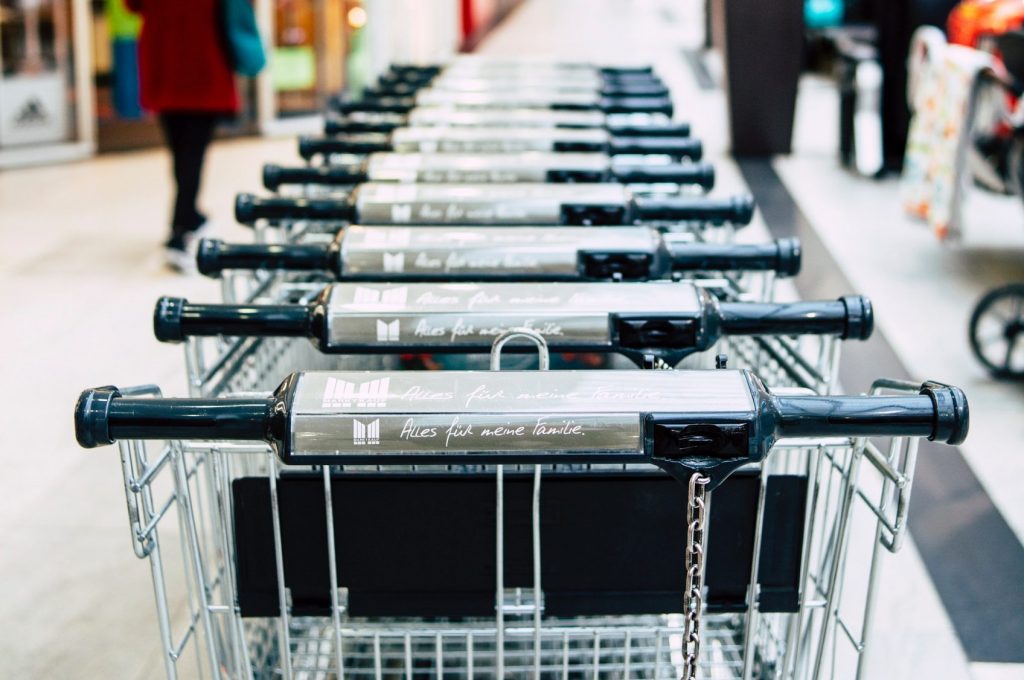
x=82, y=269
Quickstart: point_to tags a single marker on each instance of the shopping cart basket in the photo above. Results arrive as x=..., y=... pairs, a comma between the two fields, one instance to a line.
x=766, y=632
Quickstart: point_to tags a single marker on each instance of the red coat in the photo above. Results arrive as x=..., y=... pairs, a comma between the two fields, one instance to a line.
x=183, y=62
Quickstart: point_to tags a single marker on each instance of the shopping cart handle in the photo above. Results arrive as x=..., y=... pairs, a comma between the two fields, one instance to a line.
x=850, y=317
x=103, y=416
x=175, y=319
x=367, y=142
x=214, y=256
x=379, y=123
x=276, y=176
x=711, y=422
x=374, y=104
x=738, y=210
x=782, y=256
x=702, y=174
x=649, y=130
x=940, y=412
x=250, y=209
x=631, y=105
x=677, y=147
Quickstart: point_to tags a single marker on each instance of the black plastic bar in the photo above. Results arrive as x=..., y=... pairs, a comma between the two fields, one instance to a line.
x=940, y=413
x=175, y=319
x=734, y=209
x=214, y=256
x=276, y=176
x=849, y=317
x=386, y=122
x=103, y=416
x=343, y=104
x=606, y=104
x=633, y=105
x=677, y=147
x=363, y=143
x=250, y=209
x=379, y=123
x=434, y=69
x=782, y=256
x=650, y=130
x=702, y=174
x=621, y=88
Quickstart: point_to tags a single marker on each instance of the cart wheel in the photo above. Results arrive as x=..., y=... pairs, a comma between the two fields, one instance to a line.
x=997, y=331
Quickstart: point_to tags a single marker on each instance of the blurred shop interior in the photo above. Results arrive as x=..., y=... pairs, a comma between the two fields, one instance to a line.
x=70, y=67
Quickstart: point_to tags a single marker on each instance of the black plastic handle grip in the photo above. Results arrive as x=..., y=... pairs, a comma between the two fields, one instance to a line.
x=175, y=319
x=614, y=89
x=369, y=142
x=276, y=176
x=940, y=412
x=634, y=88
x=649, y=130
x=702, y=174
x=782, y=256
x=250, y=209
x=379, y=123
x=678, y=147
x=634, y=105
x=214, y=256
x=103, y=416
x=374, y=104
x=849, y=317
x=738, y=210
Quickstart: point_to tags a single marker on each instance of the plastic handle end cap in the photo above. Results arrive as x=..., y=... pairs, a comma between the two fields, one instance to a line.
x=167, y=319
x=208, y=257
x=860, y=317
x=271, y=176
x=91, y=416
x=743, y=209
x=952, y=413
x=245, y=208
x=790, y=256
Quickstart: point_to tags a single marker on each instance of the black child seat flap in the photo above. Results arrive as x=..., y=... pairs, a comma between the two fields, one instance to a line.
x=423, y=545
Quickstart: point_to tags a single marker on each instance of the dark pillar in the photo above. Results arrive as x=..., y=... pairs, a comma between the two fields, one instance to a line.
x=762, y=45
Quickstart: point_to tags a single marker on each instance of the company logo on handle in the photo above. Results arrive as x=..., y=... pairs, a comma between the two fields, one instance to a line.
x=401, y=212
x=394, y=263
x=345, y=394
x=365, y=434
x=387, y=331
x=386, y=238
x=368, y=296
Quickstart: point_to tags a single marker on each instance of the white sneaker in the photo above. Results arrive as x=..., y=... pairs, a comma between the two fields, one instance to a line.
x=193, y=237
x=180, y=260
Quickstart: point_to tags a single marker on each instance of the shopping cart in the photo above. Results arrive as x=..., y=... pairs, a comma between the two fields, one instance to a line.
x=807, y=487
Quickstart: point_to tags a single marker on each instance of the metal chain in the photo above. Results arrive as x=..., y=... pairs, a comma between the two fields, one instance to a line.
x=694, y=597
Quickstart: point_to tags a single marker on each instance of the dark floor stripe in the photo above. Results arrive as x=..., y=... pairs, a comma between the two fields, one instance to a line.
x=973, y=557
x=695, y=58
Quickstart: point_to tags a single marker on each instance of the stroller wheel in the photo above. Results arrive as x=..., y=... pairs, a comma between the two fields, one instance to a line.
x=997, y=331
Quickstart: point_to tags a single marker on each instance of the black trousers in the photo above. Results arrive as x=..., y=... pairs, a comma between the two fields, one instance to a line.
x=188, y=134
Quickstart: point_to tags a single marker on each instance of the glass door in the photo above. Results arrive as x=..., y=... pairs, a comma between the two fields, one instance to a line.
x=44, y=107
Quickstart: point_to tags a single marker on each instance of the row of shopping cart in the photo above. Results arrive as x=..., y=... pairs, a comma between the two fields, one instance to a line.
x=470, y=391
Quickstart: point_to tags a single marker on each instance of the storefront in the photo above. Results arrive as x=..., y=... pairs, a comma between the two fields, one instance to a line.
x=69, y=85
x=46, y=105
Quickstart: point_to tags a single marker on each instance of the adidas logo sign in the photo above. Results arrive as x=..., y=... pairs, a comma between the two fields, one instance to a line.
x=32, y=113
x=345, y=394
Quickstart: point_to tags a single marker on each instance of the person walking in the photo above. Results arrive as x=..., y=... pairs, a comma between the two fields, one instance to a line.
x=187, y=79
